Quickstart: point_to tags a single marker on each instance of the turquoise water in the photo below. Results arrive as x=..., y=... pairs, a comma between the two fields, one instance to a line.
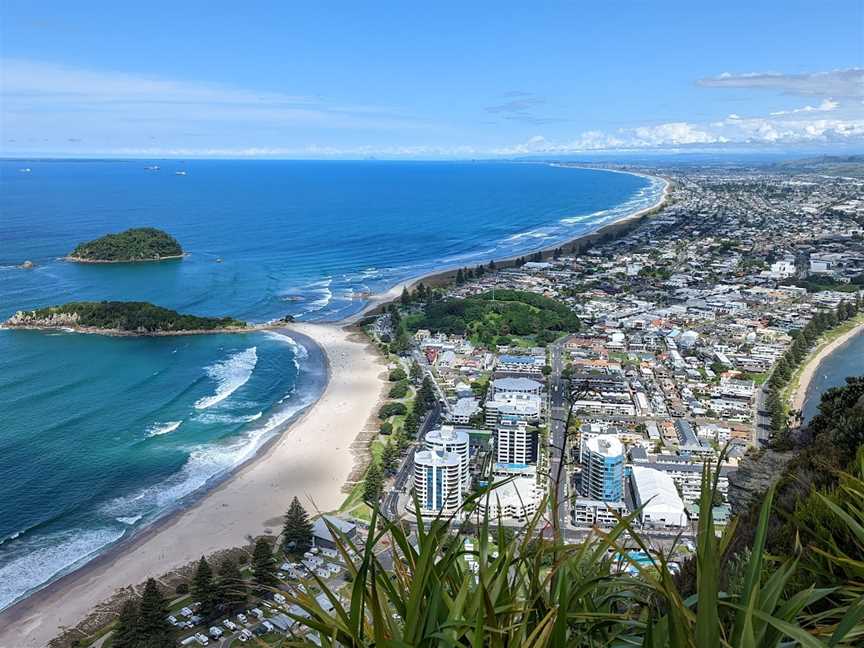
x=847, y=360
x=100, y=436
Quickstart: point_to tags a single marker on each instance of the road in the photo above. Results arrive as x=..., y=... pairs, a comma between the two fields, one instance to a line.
x=762, y=423
x=390, y=504
x=557, y=418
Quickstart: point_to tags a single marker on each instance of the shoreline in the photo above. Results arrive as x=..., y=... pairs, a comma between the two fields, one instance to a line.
x=91, y=330
x=74, y=259
x=91, y=582
x=379, y=301
x=312, y=457
x=799, y=394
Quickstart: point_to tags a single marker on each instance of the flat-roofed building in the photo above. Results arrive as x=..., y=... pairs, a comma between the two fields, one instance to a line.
x=655, y=492
x=515, y=442
x=519, y=385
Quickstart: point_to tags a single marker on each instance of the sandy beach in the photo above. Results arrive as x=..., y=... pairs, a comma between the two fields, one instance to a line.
x=312, y=460
x=800, y=393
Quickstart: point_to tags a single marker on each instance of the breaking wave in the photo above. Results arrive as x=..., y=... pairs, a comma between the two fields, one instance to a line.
x=230, y=375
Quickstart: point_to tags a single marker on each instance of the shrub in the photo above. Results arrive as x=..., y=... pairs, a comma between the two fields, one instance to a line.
x=399, y=390
x=392, y=409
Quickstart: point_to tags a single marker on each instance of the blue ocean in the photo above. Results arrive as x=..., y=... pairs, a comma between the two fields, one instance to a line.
x=847, y=360
x=101, y=436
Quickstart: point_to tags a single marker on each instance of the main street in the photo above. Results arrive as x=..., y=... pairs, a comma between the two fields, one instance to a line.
x=557, y=432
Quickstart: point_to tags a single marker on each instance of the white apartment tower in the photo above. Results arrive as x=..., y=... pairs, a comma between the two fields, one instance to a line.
x=438, y=481
x=448, y=439
x=515, y=443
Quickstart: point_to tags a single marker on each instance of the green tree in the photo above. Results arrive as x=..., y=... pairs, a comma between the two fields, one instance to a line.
x=416, y=371
x=125, y=633
x=397, y=375
x=231, y=588
x=406, y=296
x=154, y=630
x=389, y=457
x=412, y=423
x=400, y=440
x=263, y=565
x=425, y=396
x=373, y=484
x=297, y=532
x=398, y=390
x=203, y=589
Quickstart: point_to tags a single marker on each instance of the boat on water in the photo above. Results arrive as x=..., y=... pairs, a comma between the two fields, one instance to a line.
x=25, y=170
x=179, y=173
x=152, y=168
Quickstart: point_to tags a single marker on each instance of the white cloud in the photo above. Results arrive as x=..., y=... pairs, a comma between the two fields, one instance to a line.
x=31, y=89
x=827, y=105
x=836, y=83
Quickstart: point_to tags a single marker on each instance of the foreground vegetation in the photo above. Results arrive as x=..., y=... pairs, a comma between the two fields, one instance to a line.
x=137, y=317
x=748, y=588
x=137, y=244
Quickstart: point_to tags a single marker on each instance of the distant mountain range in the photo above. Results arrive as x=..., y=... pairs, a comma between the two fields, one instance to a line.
x=839, y=165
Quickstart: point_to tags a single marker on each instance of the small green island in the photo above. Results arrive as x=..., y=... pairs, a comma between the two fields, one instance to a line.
x=122, y=318
x=132, y=246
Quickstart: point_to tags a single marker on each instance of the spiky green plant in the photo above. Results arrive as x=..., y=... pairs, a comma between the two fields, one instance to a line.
x=537, y=591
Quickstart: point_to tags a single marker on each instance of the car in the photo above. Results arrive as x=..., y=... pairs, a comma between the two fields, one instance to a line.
x=202, y=639
x=216, y=632
x=242, y=618
x=229, y=624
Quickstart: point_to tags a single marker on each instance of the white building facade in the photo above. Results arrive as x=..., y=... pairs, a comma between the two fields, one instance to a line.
x=449, y=439
x=438, y=481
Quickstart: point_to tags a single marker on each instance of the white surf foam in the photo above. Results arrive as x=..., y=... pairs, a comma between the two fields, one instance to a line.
x=129, y=520
x=205, y=463
x=36, y=562
x=230, y=375
x=158, y=429
x=323, y=295
x=299, y=350
x=210, y=417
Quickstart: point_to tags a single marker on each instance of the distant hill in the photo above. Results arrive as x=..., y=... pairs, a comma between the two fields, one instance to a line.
x=839, y=165
x=137, y=244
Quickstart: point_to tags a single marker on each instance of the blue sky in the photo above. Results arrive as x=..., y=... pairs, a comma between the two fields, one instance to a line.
x=447, y=79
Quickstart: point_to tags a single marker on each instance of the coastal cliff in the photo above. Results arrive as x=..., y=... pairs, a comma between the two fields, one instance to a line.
x=122, y=318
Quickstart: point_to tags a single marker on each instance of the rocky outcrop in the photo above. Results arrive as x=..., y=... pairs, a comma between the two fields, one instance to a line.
x=32, y=320
x=757, y=471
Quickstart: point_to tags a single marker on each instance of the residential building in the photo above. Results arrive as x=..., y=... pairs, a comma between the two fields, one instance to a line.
x=438, y=481
x=603, y=469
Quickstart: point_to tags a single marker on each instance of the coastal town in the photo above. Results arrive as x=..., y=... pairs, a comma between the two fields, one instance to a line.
x=683, y=319
x=560, y=392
